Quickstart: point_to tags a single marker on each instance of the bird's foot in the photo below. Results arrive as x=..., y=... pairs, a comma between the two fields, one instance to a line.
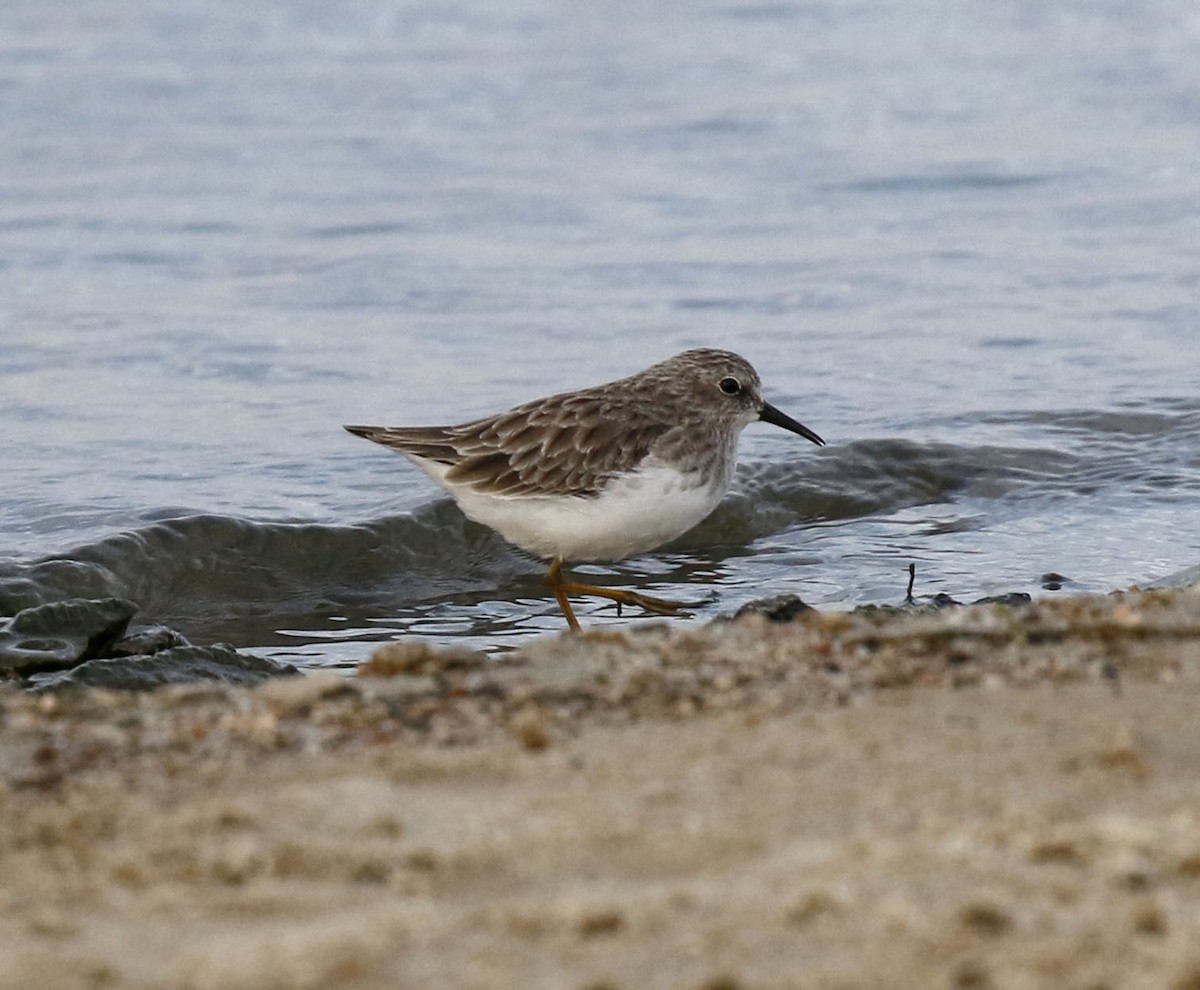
x=562, y=587
x=659, y=606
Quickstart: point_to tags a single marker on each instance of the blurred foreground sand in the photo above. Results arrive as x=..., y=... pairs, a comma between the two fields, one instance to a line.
x=977, y=798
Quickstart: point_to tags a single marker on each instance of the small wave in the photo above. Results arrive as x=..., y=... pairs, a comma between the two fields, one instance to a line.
x=873, y=477
x=195, y=570
x=218, y=578
x=1134, y=452
x=970, y=180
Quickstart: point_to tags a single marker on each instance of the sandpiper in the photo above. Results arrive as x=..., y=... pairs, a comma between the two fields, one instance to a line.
x=602, y=473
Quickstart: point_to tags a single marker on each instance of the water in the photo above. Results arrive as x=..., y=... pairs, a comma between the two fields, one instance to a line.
x=957, y=240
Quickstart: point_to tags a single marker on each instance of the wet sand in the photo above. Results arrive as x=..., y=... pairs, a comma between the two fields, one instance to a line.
x=977, y=798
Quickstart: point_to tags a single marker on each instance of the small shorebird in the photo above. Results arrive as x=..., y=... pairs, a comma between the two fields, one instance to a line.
x=602, y=473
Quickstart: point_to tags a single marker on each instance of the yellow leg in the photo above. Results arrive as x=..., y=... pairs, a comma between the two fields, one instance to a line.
x=561, y=587
x=554, y=581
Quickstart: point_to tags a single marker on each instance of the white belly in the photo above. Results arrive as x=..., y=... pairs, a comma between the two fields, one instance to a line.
x=632, y=515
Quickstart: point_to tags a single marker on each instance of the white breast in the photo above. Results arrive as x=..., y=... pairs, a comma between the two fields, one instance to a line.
x=633, y=514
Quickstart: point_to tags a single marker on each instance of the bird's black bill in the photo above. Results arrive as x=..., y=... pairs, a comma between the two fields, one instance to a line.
x=773, y=416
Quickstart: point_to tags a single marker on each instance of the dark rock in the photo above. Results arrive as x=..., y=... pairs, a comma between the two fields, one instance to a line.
x=1013, y=598
x=777, y=608
x=910, y=606
x=178, y=665
x=943, y=600
x=62, y=634
x=147, y=640
x=938, y=602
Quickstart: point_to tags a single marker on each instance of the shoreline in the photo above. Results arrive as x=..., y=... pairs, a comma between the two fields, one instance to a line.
x=976, y=797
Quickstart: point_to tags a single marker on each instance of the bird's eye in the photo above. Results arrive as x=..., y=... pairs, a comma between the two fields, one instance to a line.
x=730, y=386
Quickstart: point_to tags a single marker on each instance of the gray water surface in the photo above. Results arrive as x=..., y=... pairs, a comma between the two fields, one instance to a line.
x=960, y=241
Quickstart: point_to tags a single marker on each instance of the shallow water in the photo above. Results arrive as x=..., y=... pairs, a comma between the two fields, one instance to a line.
x=960, y=243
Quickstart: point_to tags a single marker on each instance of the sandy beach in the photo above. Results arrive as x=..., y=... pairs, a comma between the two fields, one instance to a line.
x=984, y=797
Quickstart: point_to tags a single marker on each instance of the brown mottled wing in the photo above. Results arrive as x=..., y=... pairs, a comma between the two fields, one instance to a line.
x=430, y=443
x=565, y=445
